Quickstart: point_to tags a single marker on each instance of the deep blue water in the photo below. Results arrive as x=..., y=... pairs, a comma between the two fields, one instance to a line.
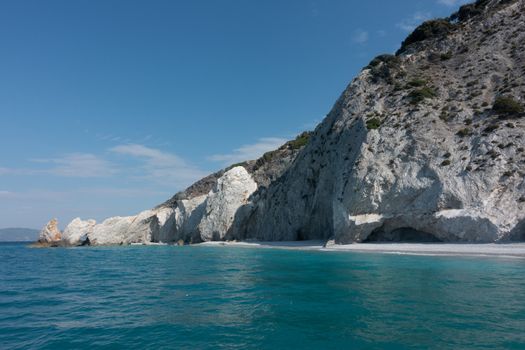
x=241, y=298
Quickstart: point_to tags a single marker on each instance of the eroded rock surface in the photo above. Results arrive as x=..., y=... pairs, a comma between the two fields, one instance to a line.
x=417, y=141
x=201, y=218
x=50, y=233
x=231, y=191
x=77, y=232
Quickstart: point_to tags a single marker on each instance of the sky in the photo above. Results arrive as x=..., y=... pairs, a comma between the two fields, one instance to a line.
x=110, y=107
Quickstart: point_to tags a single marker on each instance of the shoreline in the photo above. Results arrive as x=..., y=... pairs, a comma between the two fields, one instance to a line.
x=501, y=250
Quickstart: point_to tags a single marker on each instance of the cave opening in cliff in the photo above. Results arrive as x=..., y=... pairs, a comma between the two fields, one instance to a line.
x=402, y=235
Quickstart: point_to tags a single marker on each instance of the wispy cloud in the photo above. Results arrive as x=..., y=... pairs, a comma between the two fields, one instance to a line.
x=76, y=165
x=381, y=33
x=160, y=166
x=71, y=194
x=360, y=36
x=147, y=163
x=409, y=24
x=83, y=165
x=453, y=3
x=249, y=151
x=314, y=10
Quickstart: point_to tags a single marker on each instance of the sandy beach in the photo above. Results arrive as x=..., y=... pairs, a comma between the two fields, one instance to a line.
x=507, y=250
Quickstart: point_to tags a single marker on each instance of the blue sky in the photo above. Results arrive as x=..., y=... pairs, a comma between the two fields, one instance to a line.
x=110, y=107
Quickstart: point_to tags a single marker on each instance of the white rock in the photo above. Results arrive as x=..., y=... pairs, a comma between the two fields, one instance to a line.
x=78, y=231
x=50, y=233
x=188, y=215
x=111, y=231
x=156, y=225
x=415, y=171
x=231, y=192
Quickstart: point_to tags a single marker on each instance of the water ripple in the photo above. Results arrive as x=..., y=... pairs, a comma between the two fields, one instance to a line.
x=235, y=298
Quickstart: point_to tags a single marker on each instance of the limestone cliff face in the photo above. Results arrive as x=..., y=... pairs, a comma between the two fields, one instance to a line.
x=430, y=140
x=424, y=145
x=201, y=218
x=222, y=204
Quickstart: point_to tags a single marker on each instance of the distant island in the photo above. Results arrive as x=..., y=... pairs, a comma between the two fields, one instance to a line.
x=18, y=234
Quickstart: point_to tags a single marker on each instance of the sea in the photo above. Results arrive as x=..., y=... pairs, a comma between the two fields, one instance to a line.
x=213, y=297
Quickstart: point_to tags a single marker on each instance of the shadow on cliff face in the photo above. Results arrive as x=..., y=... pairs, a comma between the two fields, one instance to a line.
x=404, y=234
x=518, y=232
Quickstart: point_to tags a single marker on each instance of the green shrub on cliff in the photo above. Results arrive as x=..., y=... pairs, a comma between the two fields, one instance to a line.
x=507, y=105
x=373, y=123
x=299, y=141
x=427, y=30
x=416, y=82
x=420, y=95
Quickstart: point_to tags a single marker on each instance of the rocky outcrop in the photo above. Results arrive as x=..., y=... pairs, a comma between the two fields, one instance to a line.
x=231, y=192
x=424, y=145
x=201, y=218
x=50, y=234
x=78, y=232
x=111, y=231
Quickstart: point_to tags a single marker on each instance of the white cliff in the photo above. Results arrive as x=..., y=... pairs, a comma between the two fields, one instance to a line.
x=424, y=145
x=202, y=218
x=231, y=192
x=409, y=147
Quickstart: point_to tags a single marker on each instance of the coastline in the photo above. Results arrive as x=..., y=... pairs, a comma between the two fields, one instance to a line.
x=501, y=250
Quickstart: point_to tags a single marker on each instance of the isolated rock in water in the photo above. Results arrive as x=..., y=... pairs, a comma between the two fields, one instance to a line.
x=111, y=231
x=50, y=233
x=231, y=192
x=78, y=231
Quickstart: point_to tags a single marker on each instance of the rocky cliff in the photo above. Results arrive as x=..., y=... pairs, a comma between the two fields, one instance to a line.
x=210, y=209
x=424, y=145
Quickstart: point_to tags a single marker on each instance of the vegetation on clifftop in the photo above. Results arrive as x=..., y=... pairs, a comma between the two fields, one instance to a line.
x=429, y=29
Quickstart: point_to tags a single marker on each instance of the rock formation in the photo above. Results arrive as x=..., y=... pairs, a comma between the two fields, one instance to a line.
x=427, y=144
x=201, y=218
x=417, y=142
x=230, y=192
x=78, y=232
x=50, y=234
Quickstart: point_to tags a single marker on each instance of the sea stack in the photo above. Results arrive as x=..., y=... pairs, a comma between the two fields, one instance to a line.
x=50, y=233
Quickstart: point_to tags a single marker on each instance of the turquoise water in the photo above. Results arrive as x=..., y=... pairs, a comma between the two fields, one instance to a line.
x=244, y=298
